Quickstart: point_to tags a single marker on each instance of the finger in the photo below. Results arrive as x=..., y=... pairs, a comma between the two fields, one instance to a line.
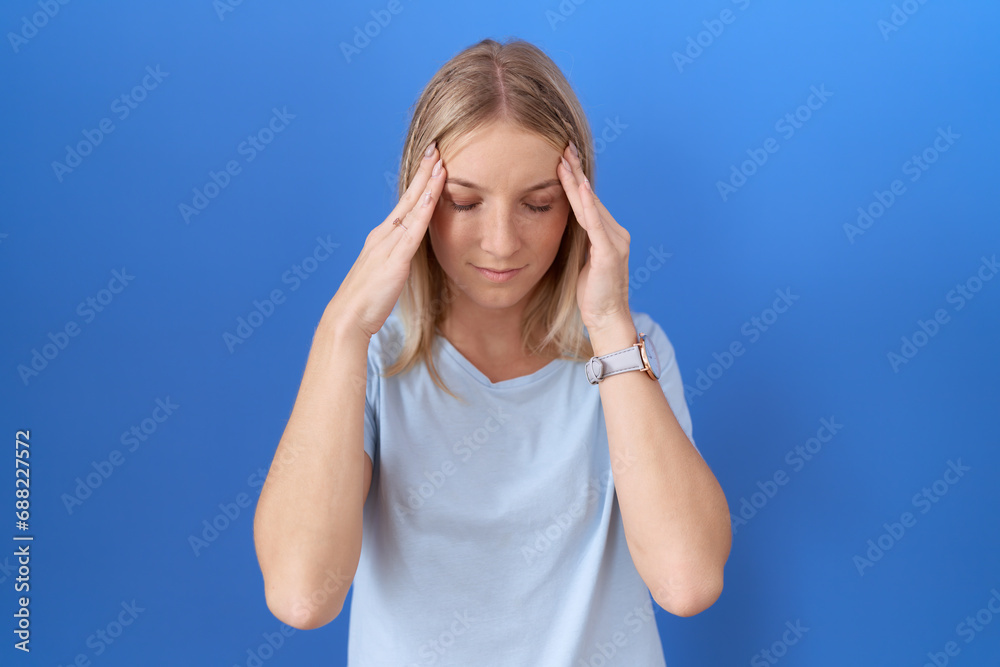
x=418, y=184
x=609, y=219
x=579, y=176
x=570, y=185
x=600, y=235
x=415, y=221
x=582, y=200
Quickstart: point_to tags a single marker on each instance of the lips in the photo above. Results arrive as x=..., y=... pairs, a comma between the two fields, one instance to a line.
x=498, y=276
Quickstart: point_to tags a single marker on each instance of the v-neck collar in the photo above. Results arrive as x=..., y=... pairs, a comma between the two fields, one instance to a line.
x=481, y=377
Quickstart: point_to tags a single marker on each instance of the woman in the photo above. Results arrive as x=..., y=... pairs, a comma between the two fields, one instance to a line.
x=517, y=506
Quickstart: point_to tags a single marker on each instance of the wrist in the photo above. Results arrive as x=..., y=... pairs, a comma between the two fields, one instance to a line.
x=613, y=337
x=336, y=324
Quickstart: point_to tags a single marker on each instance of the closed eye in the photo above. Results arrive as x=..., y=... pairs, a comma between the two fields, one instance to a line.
x=533, y=209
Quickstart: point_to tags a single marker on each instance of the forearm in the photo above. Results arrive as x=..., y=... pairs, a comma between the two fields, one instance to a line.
x=674, y=511
x=307, y=526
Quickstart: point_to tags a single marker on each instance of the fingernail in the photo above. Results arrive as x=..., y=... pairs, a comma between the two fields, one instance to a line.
x=430, y=149
x=437, y=168
x=586, y=183
x=572, y=147
x=426, y=200
x=565, y=164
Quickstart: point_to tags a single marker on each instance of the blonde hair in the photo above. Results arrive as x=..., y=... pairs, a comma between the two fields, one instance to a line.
x=514, y=83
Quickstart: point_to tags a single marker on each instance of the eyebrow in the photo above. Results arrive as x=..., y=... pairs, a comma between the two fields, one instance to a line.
x=538, y=186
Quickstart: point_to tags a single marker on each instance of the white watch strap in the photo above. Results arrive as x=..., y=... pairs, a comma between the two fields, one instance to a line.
x=628, y=359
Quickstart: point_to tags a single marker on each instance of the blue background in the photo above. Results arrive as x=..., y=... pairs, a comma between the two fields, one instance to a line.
x=330, y=174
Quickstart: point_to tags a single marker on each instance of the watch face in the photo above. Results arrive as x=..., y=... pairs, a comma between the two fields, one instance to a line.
x=654, y=362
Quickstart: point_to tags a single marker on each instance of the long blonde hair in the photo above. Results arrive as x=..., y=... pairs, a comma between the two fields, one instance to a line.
x=518, y=84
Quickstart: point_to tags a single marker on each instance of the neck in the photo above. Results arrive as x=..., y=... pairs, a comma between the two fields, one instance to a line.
x=489, y=332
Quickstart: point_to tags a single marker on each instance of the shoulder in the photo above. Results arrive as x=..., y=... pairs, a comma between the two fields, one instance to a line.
x=644, y=323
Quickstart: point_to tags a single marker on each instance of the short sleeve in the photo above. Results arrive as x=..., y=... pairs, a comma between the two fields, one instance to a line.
x=383, y=351
x=670, y=374
x=372, y=391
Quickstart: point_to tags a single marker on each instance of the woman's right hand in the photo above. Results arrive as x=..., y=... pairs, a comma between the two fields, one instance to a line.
x=373, y=285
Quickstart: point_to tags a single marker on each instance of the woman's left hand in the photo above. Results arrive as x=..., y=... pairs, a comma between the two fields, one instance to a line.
x=602, y=289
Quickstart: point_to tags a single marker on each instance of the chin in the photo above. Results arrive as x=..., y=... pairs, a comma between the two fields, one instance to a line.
x=495, y=300
x=499, y=295
x=478, y=290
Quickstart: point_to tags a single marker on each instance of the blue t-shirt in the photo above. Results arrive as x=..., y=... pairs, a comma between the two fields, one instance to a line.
x=492, y=533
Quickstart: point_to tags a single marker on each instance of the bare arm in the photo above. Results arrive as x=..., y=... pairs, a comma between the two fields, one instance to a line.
x=307, y=526
x=673, y=509
x=674, y=512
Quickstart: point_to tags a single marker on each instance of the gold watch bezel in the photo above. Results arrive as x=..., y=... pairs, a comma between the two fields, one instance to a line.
x=642, y=353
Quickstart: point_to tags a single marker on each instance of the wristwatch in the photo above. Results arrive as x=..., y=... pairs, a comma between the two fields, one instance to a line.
x=638, y=357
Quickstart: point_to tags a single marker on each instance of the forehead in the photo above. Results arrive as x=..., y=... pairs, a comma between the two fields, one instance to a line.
x=499, y=158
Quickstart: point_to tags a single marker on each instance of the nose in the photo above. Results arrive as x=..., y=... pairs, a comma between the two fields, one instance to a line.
x=500, y=237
